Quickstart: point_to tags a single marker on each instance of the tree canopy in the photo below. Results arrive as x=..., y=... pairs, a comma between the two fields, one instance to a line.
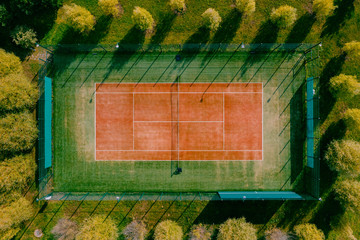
x=352, y=121
x=284, y=16
x=323, y=8
x=136, y=230
x=16, y=172
x=65, y=229
x=110, y=7
x=348, y=193
x=9, y=63
x=343, y=156
x=15, y=213
x=177, y=5
x=18, y=132
x=168, y=230
x=94, y=228
x=237, y=229
x=142, y=19
x=246, y=7
x=344, y=85
x=211, y=19
x=17, y=93
x=199, y=232
x=77, y=17
x=308, y=231
x=352, y=49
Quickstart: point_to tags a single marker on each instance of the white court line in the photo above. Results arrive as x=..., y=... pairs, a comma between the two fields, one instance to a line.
x=170, y=92
x=180, y=121
x=223, y=121
x=133, y=122
x=180, y=150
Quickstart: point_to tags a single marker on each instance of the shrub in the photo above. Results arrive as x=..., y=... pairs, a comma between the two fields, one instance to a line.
x=77, y=17
x=323, y=8
x=95, y=228
x=136, y=230
x=352, y=49
x=18, y=132
x=9, y=63
x=24, y=37
x=168, y=230
x=4, y=16
x=237, y=229
x=177, y=5
x=343, y=156
x=199, y=232
x=17, y=93
x=15, y=213
x=65, y=229
x=110, y=7
x=345, y=85
x=308, y=231
x=246, y=7
x=348, y=193
x=142, y=19
x=277, y=234
x=211, y=19
x=284, y=16
x=16, y=172
x=352, y=121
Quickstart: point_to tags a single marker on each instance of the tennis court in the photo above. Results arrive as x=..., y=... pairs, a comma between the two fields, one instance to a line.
x=182, y=122
x=232, y=119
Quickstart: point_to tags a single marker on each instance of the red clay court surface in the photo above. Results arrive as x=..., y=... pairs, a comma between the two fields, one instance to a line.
x=169, y=122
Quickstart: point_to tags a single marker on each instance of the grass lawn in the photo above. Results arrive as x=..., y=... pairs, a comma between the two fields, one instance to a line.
x=341, y=27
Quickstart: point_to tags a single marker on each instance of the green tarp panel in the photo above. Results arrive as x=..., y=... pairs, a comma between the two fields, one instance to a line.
x=47, y=122
x=310, y=121
x=265, y=195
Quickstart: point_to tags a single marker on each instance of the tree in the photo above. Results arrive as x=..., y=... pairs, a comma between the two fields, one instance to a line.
x=284, y=16
x=24, y=37
x=323, y=8
x=246, y=7
x=136, y=230
x=236, y=229
x=28, y=7
x=343, y=156
x=277, y=234
x=142, y=19
x=17, y=93
x=177, y=5
x=352, y=49
x=308, y=231
x=352, y=121
x=348, y=193
x=4, y=16
x=16, y=172
x=15, y=213
x=18, y=132
x=65, y=229
x=168, y=230
x=95, y=228
x=9, y=63
x=77, y=17
x=211, y=19
x=345, y=85
x=199, y=232
x=110, y=7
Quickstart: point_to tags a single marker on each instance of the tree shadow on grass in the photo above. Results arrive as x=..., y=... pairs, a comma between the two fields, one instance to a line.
x=344, y=10
x=128, y=46
x=331, y=69
x=268, y=33
x=163, y=28
x=301, y=29
x=100, y=30
x=228, y=28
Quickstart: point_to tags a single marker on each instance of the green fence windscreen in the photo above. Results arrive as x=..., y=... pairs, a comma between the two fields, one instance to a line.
x=268, y=195
x=47, y=122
